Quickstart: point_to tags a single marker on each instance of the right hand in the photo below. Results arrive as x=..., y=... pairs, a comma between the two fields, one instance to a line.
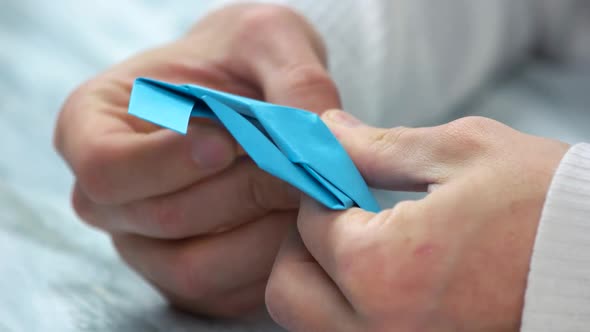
x=196, y=218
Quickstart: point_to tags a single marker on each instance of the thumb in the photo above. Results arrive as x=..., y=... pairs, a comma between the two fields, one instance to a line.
x=398, y=158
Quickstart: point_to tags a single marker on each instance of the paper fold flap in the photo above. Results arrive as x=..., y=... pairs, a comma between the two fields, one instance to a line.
x=161, y=106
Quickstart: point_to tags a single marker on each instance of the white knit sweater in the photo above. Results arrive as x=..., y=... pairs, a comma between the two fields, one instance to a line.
x=418, y=59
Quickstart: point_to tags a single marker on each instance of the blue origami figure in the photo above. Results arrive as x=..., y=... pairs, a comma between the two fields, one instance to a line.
x=291, y=144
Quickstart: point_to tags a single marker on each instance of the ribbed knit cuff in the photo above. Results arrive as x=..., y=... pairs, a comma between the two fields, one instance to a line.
x=558, y=292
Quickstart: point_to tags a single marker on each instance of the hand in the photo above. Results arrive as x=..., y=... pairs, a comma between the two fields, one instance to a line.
x=191, y=214
x=456, y=260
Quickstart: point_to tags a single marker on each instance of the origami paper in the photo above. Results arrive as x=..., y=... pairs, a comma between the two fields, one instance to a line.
x=291, y=144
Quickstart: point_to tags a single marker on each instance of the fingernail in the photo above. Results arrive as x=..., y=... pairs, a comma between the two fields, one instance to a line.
x=342, y=118
x=211, y=147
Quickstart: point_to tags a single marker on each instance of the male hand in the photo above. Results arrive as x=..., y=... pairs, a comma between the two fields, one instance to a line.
x=193, y=215
x=456, y=260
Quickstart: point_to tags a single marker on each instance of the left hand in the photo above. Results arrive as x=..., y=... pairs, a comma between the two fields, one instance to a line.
x=192, y=214
x=456, y=260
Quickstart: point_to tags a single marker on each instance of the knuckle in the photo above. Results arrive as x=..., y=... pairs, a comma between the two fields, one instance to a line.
x=387, y=140
x=90, y=163
x=308, y=76
x=91, y=170
x=402, y=211
x=262, y=19
x=73, y=102
x=383, y=145
x=470, y=133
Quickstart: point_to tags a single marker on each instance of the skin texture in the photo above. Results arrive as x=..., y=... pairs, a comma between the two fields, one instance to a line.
x=456, y=260
x=192, y=214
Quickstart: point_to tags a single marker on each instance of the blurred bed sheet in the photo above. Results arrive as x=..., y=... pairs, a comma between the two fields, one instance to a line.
x=56, y=274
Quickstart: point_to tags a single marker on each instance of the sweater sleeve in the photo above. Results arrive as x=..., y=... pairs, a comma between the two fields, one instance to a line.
x=558, y=292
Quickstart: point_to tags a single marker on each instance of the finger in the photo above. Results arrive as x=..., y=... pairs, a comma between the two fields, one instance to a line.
x=328, y=234
x=213, y=265
x=116, y=164
x=284, y=56
x=335, y=238
x=241, y=194
x=414, y=158
x=374, y=258
x=300, y=296
x=395, y=159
